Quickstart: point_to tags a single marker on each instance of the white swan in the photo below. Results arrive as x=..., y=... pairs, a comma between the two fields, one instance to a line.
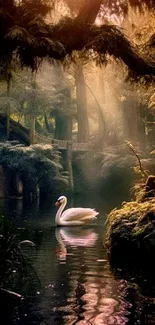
x=73, y=216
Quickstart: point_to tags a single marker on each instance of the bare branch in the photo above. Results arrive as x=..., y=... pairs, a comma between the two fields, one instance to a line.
x=144, y=173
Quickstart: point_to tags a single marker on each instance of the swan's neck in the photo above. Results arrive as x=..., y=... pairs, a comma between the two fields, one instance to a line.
x=59, y=213
x=63, y=250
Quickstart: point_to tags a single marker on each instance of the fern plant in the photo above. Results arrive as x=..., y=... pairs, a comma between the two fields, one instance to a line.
x=13, y=263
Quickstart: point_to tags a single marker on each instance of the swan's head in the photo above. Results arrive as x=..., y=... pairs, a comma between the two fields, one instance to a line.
x=61, y=200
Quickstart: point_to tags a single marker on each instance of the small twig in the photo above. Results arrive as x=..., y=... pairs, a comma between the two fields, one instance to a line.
x=144, y=173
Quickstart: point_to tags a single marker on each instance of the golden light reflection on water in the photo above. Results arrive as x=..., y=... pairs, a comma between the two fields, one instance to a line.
x=97, y=298
x=79, y=287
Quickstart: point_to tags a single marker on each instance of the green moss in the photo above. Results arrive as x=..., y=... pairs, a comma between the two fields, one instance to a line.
x=130, y=233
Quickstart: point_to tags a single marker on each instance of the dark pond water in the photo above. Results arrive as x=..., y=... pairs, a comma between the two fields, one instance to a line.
x=77, y=285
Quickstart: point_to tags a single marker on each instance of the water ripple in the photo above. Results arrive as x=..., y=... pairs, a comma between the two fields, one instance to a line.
x=78, y=286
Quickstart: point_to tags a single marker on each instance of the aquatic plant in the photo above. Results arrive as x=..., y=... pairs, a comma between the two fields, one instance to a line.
x=13, y=263
x=18, y=279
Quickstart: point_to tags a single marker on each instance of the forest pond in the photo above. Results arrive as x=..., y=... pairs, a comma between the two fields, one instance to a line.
x=77, y=285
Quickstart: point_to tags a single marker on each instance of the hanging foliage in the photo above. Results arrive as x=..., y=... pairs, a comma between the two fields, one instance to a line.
x=25, y=35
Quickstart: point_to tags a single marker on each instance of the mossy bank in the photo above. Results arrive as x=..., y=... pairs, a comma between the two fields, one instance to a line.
x=130, y=236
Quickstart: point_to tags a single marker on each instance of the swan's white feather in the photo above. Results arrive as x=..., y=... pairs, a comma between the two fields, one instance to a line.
x=78, y=214
x=73, y=216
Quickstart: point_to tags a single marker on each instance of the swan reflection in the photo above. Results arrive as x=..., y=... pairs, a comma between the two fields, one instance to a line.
x=73, y=237
x=79, y=286
x=95, y=297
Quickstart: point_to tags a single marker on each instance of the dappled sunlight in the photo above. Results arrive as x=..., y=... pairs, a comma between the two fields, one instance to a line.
x=99, y=305
x=77, y=284
x=77, y=117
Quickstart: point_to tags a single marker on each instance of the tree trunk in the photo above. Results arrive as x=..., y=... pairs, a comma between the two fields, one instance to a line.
x=89, y=11
x=69, y=165
x=8, y=108
x=63, y=127
x=102, y=123
x=82, y=116
x=47, y=126
x=27, y=121
x=66, y=128
x=131, y=119
x=32, y=131
x=63, y=117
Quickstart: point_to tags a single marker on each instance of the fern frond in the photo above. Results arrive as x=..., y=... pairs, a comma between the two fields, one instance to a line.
x=20, y=34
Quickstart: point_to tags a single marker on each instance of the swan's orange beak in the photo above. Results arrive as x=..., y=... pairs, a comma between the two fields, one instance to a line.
x=57, y=203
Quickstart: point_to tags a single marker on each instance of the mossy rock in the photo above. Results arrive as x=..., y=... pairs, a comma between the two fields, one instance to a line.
x=130, y=237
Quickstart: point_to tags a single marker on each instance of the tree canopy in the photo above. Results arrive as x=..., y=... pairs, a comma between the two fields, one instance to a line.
x=25, y=35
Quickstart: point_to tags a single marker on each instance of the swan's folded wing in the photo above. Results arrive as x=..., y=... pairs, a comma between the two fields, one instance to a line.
x=78, y=214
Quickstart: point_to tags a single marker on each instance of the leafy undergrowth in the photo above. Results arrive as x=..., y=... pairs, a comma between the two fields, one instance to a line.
x=18, y=279
x=38, y=166
x=130, y=238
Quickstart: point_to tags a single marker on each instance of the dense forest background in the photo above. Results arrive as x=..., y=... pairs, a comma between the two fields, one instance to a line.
x=65, y=65
x=80, y=71
x=77, y=116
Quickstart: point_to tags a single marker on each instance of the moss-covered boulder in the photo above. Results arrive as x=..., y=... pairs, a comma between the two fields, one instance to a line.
x=130, y=237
